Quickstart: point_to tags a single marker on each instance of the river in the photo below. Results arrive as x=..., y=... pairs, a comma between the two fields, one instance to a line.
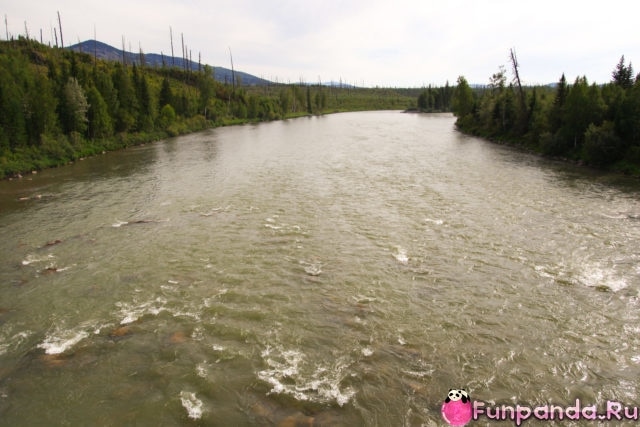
x=339, y=270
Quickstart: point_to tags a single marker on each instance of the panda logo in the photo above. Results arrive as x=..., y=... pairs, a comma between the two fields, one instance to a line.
x=456, y=408
x=455, y=395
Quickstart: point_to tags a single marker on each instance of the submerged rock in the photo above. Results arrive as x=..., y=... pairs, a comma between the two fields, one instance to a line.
x=178, y=337
x=297, y=420
x=120, y=332
x=53, y=242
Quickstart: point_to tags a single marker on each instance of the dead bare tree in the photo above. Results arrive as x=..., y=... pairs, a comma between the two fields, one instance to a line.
x=143, y=62
x=95, y=47
x=515, y=65
x=523, y=115
x=173, y=58
x=184, y=61
x=124, y=57
x=233, y=73
x=60, y=25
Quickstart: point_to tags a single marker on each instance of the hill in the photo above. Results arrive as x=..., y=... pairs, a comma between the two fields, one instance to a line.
x=109, y=53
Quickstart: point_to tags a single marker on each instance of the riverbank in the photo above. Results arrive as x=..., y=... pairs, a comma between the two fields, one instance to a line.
x=595, y=125
x=31, y=160
x=624, y=167
x=59, y=106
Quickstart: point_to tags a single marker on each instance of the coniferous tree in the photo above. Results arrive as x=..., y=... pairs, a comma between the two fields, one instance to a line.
x=166, y=95
x=628, y=121
x=623, y=74
x=206, y=89
x=556, y=113
x=104, y=84
x=125, y=117
x=99, y=125
x=145, y=103
x=423, y=101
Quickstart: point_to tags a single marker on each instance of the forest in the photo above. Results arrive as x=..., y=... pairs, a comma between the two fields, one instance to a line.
x=592, y=124
x=58, y=106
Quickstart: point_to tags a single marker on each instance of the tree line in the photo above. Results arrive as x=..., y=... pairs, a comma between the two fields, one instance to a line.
x=594, y=124
x=435, y=99
x=57, y=105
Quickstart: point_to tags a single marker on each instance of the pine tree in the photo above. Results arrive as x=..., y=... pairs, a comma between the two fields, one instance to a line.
x=556, y=113
x=623, y=75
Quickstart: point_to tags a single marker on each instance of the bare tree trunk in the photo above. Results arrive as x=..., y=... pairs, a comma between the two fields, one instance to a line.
x=233, y=73
x=184, y=61
x=124, y=56
x=173, y=58
x=514, y=64
x=143, y=62
x=95, y=47
x=60, y=25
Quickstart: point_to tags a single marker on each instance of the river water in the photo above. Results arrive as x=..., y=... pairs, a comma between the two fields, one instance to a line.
x=340, y=270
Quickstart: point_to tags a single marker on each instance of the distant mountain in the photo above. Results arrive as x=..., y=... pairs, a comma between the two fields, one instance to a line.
x=110, y=53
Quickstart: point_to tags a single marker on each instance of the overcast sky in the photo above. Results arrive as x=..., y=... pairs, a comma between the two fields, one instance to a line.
x=394, y=43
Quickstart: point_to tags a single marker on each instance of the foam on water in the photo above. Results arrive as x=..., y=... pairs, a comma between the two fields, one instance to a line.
x=198, y=333
x=201, y=369
x=434, y=221
x=594, y=275
x=401, y=255
x=312, y=268
x=13, y=341
x=192, y=404
x=132, y=312
x=542, y=272
x=289, y=374
x=31, y=259
x=419, y=374
x=62, y=340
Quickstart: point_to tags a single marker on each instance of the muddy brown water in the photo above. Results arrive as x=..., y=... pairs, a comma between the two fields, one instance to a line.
x=339, y=270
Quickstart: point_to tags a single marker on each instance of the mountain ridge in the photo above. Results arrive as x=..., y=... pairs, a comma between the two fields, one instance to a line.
x=107, y=52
